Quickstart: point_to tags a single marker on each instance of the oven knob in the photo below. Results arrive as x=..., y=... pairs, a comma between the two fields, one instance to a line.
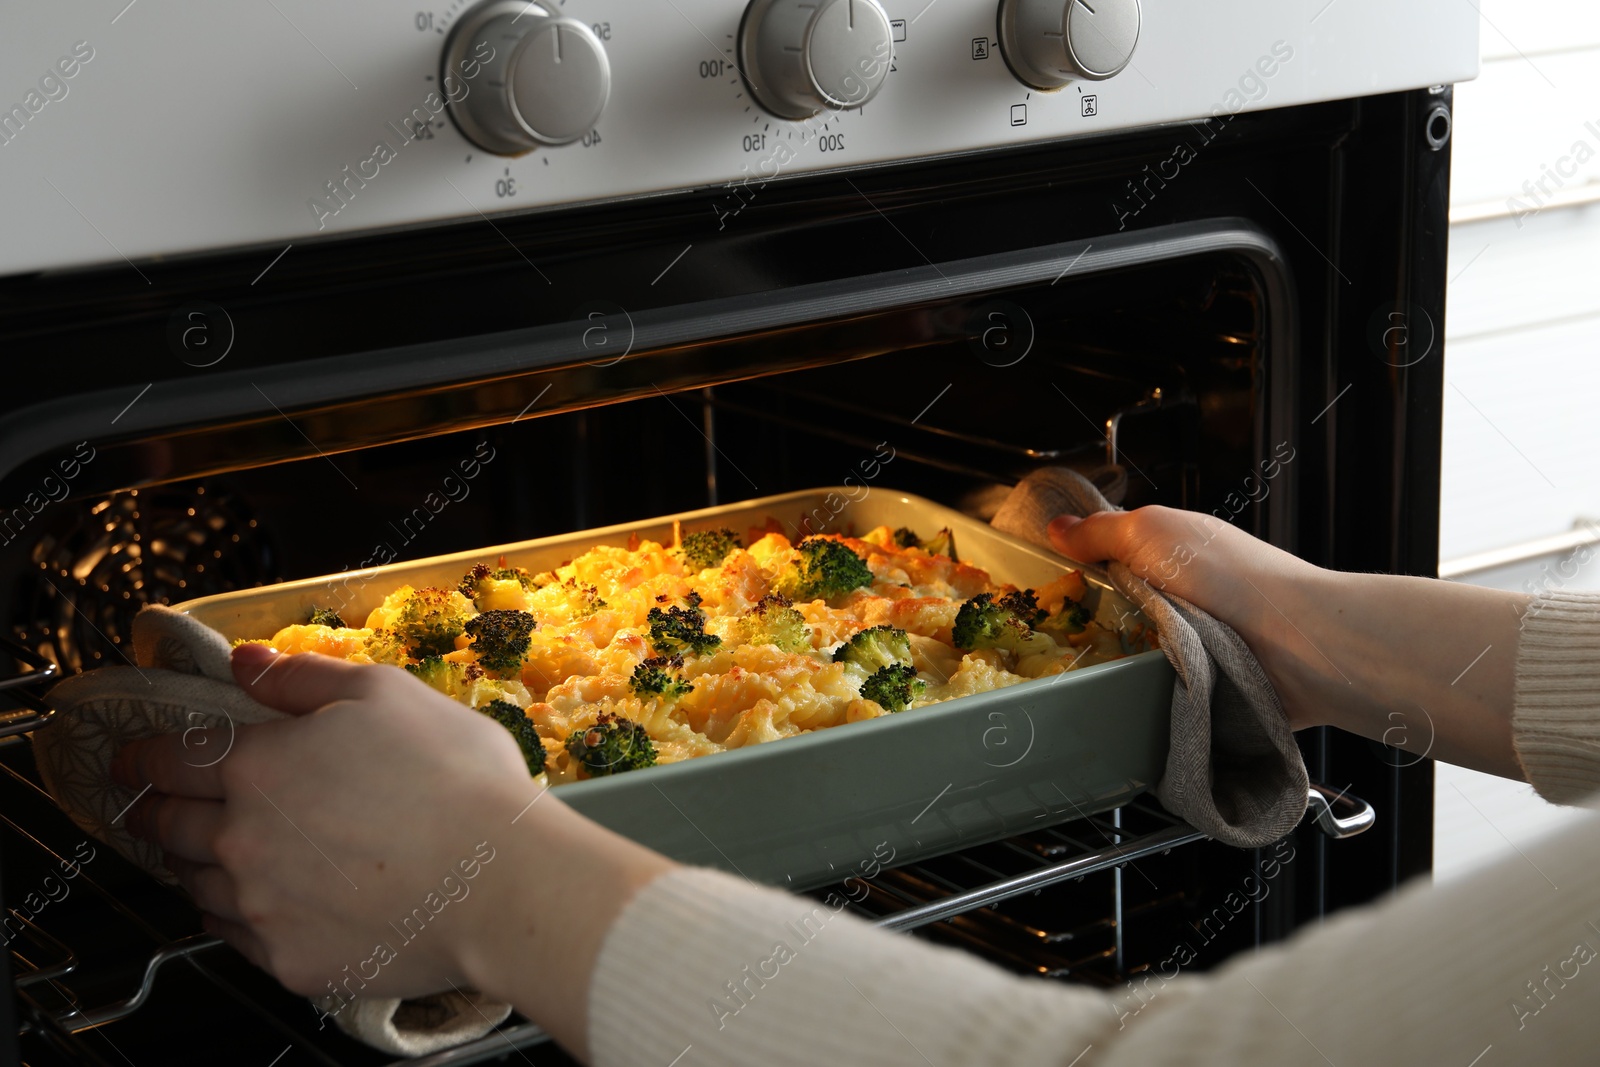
x=800, y=57
x=1047, y=43
x=519, y=75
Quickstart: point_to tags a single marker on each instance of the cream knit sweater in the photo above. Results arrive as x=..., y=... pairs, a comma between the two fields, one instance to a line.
x=1499, y=969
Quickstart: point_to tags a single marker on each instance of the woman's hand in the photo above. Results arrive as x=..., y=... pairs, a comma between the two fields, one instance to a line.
x=385, y=841
x=1213, y=565
x=1415, y=663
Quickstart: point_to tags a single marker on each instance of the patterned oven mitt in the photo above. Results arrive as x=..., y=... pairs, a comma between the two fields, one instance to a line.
x=184, y=682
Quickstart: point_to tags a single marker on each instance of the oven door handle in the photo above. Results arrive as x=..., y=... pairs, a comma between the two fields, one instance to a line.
x=1322, y=802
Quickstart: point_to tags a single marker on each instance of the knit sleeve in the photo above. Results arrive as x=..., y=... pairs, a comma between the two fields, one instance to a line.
x=704, y=970
x=1556, y=723
x=706, y=967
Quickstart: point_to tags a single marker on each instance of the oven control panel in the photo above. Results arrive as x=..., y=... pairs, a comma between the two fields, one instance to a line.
x=183, y=127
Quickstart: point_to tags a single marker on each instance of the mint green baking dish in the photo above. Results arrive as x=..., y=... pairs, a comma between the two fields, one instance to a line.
x=813, y=809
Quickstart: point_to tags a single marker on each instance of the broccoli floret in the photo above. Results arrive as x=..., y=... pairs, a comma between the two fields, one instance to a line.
x=500, y=638
x=875, y=648
x=383, y=646
x=611, y=746
x=942, y=543
x=1024, y=605
x=825, y=569
x=515, y=720
x=519, y=575
x=326, y=617
x=472, y=582
x=585, y=598
x=708, y=548
x=431, y=620
x=774, y=622
x=465, y=683
x=984, y=622
x=651, y=679
x=1073, y=618
x=488, y=587
x=435, y=672
x=905, y=537
x=680, y=631
x=894, y=687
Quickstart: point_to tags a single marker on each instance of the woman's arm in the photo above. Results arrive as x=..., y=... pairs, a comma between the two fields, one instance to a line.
x=1417, y=663
x=705, y=968
x=314, y=836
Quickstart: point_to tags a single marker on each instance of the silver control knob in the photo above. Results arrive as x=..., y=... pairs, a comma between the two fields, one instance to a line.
x=800, y=57
x=519, y=75
x=1047, y=43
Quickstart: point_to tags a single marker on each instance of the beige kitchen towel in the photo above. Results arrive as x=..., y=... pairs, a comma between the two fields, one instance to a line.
x=182, y=685
x=1233, y=768
x=100, y=711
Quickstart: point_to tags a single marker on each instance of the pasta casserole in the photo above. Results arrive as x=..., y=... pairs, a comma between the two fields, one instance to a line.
x=629, y=656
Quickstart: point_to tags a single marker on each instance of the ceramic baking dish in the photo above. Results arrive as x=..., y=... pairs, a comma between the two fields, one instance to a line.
x=817, y=808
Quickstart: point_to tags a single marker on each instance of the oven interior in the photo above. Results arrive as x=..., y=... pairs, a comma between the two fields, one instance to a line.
x=1161, y=372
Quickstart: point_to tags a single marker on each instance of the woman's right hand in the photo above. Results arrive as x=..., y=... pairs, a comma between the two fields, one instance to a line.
x=1219, y=568
x=1196, y=556
x=1416, y=663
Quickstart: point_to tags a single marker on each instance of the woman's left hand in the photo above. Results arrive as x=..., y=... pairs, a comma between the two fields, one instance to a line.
x=384, y=841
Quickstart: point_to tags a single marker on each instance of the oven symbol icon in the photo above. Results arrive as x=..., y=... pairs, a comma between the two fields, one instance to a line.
x=1019, y=114
x=1090, y=107
x=980, y=48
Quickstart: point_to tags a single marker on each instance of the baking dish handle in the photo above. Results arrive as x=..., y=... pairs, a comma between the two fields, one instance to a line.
x=1325, y=805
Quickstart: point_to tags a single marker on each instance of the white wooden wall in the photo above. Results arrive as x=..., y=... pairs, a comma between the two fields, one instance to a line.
x=1522, y=352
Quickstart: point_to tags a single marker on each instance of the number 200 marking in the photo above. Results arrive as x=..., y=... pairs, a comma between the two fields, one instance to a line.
x=831, y=142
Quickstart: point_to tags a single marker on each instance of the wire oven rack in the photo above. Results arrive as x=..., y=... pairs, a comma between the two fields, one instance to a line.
x=20, y=687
